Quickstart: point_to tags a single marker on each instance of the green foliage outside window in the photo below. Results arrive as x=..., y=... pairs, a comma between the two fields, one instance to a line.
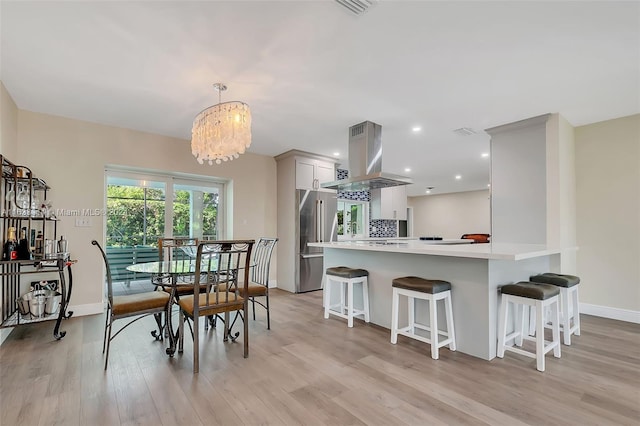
x=126, y=215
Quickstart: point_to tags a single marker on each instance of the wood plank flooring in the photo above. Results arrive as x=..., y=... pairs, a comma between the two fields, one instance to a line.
x=308, y=370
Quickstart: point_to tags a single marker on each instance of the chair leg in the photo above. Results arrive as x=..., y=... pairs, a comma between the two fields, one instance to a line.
x=365, y=299
x=245, y=339
x=519, y=311
x=350, y=303
x=327, y=297
x=502, y=326
x=576, y=311
x=411, y=314
x=181, y=320
x=539, y=336
x=566, y=318
x=106, y=358
x=253, y=306
x=268, y=312
x=433, y=313
x=196, y=345
x=555, y=314
x=106, y=323
x=395, y=300
x=450, y=326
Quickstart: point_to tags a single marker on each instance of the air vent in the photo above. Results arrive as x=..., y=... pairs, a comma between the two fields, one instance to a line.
x=358, y=129
x=357, y=7
x=464, y=131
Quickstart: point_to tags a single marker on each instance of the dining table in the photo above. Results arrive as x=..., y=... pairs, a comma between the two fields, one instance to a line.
x=170, y=275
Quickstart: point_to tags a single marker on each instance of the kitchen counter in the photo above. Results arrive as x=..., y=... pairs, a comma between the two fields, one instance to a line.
x=475, y=271
x=447, y=247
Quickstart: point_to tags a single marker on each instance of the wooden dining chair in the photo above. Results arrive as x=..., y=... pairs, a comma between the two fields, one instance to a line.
x=222, y=269
x=137, y=305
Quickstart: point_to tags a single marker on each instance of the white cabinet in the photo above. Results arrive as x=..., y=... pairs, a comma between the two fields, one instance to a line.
x=389, y=203
x=311, y=173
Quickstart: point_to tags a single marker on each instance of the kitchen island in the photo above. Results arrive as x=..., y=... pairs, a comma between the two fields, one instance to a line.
x=475, y=272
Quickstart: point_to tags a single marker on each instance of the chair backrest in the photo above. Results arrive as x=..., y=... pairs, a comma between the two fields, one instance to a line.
x=262, y=260
x=106, y=264
x=221, y=262
x=178, y=248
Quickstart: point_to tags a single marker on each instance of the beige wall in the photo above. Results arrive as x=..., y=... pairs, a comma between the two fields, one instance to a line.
x=451, y=215
x=608, y=213
x=71, y=156
x=8, y=124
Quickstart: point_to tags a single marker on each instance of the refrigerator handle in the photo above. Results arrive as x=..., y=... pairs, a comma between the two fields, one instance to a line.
x=318, y=219
x=322, y=218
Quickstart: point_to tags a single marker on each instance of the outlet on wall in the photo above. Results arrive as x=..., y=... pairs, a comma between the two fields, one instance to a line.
x=83, y=222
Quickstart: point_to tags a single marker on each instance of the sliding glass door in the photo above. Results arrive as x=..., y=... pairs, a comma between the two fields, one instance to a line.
x=143, y=208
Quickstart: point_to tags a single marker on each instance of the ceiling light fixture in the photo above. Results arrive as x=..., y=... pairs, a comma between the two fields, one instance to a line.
x=407, y=169
x=458, y=177
x=336, y=154
x=416, y=129
x=429, y=188
x=484, y=154
x=221, y=132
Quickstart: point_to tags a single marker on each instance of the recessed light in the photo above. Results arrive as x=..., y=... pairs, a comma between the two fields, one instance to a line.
x=416, y=129
x=458, y=177
x=407, y=169
x=336, y=154
x=488, y=185
x=428, y=191
x=485, y=154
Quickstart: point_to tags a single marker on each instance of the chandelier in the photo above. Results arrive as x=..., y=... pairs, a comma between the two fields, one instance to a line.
x=221, y=132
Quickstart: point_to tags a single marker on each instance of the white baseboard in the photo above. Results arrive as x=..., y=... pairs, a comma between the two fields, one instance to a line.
x=611, y=313
x=78, y=311
x=273, y=283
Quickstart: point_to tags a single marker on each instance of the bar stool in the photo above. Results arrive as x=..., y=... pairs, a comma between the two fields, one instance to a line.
x=569, y=307
x=533, y=295
x=345, y=276
x=432, y=290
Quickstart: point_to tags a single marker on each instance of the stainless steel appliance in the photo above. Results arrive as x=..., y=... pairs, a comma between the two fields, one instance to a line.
x=365, y=162
x=317, y=222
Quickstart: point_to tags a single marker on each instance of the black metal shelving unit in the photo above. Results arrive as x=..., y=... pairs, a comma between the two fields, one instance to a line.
x=34, y=219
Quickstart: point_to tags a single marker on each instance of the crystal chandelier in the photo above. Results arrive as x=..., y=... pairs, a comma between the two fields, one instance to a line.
x=221, y=132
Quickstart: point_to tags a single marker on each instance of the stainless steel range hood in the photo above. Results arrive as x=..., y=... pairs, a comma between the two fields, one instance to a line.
x=365, y=162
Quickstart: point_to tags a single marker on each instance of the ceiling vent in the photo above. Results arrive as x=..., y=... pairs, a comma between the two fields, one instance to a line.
x=464, y=131
x=357, y=7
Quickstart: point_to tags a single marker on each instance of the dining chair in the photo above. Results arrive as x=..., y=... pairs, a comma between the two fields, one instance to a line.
x=181, y=249
x=222, y=269
x=137, y=305
x=259, y=276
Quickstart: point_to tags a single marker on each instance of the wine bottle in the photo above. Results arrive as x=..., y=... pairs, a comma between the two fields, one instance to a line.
x=10, y=251
x=23, y=246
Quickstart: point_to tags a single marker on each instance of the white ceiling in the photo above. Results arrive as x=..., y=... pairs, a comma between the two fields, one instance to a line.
x=310, y=69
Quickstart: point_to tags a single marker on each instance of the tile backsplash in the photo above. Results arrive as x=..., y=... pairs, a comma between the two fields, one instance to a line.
x=378, y=228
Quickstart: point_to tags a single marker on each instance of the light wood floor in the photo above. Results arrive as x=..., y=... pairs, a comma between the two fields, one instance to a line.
x=308, y=370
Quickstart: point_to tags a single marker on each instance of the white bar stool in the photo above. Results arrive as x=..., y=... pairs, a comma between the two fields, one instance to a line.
x=432, y=290
x=345, y=276
x=538, y=296
x=569, y=306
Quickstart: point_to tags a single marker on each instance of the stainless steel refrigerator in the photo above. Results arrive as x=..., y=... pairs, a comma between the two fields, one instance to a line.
x=316, y=222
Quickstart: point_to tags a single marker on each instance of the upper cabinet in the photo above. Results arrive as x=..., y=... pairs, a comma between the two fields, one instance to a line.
x=310, y=173
x=389, y=203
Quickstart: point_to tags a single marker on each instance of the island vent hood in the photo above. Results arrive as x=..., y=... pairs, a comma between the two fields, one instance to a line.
x=365, y=162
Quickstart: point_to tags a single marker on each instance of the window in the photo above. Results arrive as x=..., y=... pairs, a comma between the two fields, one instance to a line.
x=138, y=212
x=353, y=219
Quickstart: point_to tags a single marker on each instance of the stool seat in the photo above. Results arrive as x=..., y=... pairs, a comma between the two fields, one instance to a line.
x=422, y=285
x=346, y=272
x=561, y=280
x=530, y=290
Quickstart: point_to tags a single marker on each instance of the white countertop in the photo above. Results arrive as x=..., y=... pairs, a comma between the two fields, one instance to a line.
x=498, y=251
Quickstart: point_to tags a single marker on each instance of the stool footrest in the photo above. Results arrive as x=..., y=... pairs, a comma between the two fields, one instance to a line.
x=405, y=332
